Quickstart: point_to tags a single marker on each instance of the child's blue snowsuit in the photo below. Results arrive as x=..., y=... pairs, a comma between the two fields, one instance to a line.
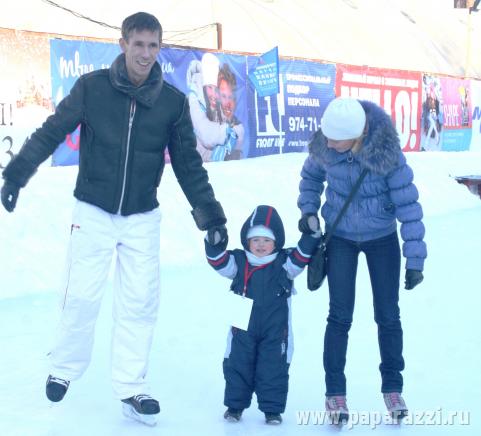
x=257, y=360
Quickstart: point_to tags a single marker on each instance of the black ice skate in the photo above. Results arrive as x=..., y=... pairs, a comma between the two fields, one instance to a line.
x=273, y=418
x=233, y=415
x=141, y=408
x=56, y=388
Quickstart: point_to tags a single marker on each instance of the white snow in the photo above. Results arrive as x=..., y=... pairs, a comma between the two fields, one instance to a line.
x=440, y=317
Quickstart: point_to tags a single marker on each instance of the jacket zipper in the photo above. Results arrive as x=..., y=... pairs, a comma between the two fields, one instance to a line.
x=354, y=205
x=131, y=120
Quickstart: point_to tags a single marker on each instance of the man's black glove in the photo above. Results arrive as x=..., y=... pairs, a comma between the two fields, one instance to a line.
x=209, y=215
x=309, y=223
x=413, y=278
x=9, y=195
x=217, y=235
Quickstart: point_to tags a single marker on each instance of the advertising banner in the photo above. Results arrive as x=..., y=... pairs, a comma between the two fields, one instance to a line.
x=25, y=99
x=285, y=122
x=476, y=115
x=215, y=84
x=398, y=92
x=231, y=119
x=431, y=114
x=220, y=126
x=69, y=59
x=456, y=114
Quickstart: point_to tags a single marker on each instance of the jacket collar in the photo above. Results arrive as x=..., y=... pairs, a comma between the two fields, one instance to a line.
x=147, y=93
x=257, y=261
x=380, y=148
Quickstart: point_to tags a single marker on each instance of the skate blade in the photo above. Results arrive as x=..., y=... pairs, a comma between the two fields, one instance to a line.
x=338, y=419
x=230, y=418
x=130, y=412
x=274, y=422
x=398, y=415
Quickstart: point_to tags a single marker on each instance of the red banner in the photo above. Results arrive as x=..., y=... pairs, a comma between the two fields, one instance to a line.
x=398, y=92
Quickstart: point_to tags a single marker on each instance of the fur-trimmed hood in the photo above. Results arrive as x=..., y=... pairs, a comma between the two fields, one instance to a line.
x=380, y=147
x=147, y=93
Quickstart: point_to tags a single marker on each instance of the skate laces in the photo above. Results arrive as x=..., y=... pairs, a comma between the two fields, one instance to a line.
x=394, y=399
x=59, y=381
x=336, y=403
x=142, y=397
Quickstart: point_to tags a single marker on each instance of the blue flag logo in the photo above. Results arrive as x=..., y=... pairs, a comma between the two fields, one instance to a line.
x=265, y=74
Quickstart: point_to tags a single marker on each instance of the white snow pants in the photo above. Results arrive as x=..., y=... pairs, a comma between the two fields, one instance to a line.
x=95, y=236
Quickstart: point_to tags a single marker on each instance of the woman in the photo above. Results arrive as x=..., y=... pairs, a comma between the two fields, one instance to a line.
x=355, y=136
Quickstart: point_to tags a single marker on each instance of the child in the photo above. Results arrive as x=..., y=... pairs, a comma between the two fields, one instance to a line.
x=257, y=360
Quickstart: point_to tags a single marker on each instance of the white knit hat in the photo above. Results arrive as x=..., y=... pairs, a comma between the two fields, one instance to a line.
x=210, y=69
x=344, y=118
x=260, y=231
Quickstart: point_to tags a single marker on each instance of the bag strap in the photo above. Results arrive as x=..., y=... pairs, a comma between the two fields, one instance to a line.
x=346, y=205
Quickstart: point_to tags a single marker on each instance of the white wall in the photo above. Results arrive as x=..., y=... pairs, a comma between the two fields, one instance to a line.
x=421, y=35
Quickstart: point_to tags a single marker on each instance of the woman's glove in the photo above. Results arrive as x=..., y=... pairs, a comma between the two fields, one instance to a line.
x=309, y=224
x=413, y=278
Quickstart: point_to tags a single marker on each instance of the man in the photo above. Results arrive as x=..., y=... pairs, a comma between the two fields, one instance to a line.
x=128, y=116
x=227, y=84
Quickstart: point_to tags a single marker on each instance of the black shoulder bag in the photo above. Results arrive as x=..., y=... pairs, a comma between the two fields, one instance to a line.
x=317, y=267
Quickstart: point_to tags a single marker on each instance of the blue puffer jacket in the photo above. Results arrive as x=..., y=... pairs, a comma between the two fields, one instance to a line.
x=387, y=193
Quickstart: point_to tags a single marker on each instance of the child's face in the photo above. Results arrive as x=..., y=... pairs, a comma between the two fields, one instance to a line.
x=212, y=95
x=261, y=246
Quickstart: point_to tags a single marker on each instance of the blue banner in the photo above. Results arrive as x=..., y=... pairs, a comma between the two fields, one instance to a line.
x=231, y=119
x=215, y=85
x=222, y=130
x=68, y=61
x=264, y=74
x=285, y=122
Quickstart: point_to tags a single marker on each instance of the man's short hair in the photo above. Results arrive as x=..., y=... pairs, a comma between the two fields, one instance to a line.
x=140, y=21
x=225, y=73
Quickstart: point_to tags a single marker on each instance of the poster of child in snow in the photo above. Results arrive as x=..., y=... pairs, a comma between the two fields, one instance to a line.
x=213, y=99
